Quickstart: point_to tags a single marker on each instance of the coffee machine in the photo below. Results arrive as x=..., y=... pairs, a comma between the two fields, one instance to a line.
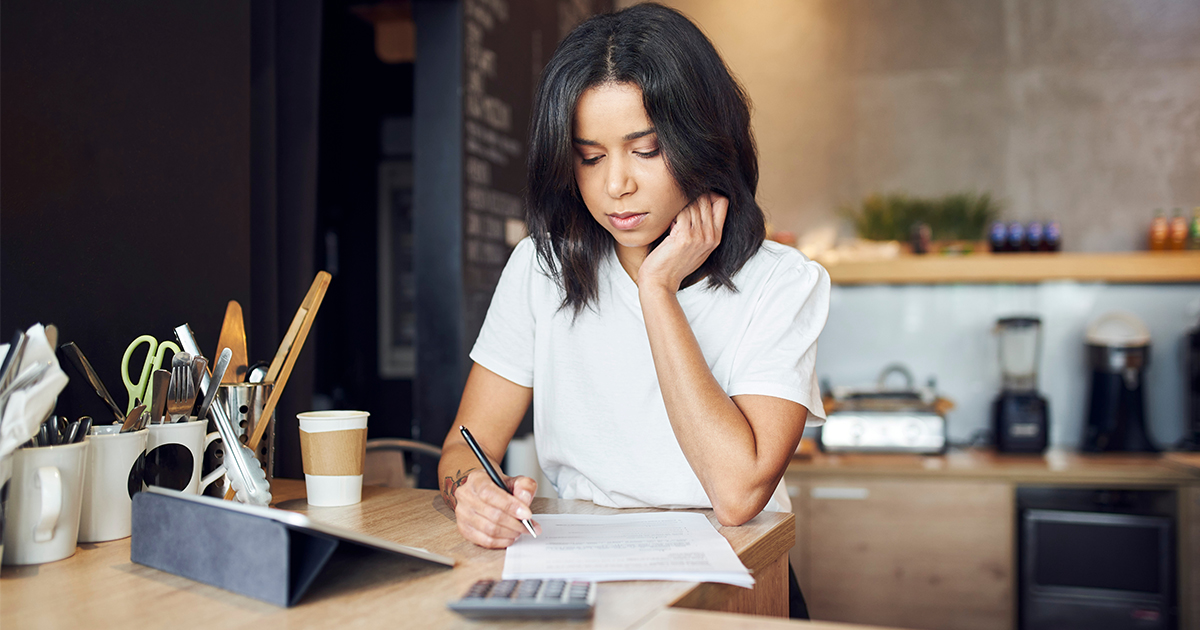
x=1191, y=436
x=1118, y=348
x=1020, y=416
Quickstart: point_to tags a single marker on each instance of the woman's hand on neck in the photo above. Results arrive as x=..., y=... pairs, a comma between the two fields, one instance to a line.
x=693, y=235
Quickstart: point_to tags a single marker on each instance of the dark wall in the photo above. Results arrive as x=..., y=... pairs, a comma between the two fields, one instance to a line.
x=159, y=160
x=358, y=92
x=125, y=161
x=285, y=61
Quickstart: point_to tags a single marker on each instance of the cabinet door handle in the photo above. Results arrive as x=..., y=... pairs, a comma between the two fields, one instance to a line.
x=832, y=492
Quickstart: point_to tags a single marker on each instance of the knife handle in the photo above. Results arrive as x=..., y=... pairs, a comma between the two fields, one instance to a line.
x=75, y=357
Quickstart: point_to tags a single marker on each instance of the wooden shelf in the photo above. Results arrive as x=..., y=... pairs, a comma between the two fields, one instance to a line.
x=1128, y=268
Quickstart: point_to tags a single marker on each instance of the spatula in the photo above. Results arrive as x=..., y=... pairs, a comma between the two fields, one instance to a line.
x=233, y=336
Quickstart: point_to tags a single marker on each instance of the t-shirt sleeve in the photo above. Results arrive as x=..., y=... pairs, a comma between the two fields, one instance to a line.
x=505, y=342
x=778, y=353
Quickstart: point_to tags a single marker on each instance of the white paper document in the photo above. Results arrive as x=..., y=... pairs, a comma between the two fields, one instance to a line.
x=680, y=546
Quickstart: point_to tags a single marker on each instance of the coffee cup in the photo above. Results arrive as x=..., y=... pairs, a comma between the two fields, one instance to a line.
x=44, y=498
x=174, y=451
x=333, y=445
x=115, y=468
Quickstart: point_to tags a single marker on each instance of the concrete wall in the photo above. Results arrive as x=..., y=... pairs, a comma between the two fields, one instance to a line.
x=1084, y=111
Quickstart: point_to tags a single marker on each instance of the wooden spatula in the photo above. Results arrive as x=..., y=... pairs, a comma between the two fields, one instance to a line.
x=233, y=336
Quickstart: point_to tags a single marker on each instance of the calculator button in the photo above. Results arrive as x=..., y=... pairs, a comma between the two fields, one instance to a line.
x=503, y=589
x=529, y=589
x=490, y=599
x=480, y=589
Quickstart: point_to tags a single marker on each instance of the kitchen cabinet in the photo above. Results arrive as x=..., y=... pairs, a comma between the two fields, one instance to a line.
x=929, y=542
x=907, y=553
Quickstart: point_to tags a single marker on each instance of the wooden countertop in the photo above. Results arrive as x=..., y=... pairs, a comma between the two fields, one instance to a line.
x=680, y=619
x=1054, y=467
x=984, y=268
x=100, y=587
x=1186, y=461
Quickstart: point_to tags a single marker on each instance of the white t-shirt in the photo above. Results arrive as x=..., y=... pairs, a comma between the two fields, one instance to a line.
x=600, y=424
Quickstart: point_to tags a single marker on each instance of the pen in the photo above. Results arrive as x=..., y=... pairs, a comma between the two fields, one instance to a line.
x=487, y=467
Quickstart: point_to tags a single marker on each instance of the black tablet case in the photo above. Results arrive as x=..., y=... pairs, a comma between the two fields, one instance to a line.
x=251, y=555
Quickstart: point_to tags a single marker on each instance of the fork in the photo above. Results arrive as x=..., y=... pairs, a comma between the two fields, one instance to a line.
x=181, y=393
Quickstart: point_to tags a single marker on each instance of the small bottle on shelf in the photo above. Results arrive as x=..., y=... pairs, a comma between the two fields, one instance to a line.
x=1158, y=232
x=1194, y=231
x=1178, y=231
x=1035, y=236
x=998, y=237
x=1052, y=240
x=1016, y=237
x=920, y=238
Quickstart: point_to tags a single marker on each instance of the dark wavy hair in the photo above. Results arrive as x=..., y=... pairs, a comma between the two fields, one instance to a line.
x=702, y=117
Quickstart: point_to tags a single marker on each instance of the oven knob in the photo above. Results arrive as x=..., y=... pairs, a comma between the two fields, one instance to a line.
x=912, y=431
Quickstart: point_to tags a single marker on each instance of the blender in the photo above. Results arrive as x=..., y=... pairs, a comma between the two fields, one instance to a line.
x=1020, y=416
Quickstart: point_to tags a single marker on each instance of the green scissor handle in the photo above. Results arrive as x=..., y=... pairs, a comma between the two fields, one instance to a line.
x=158, y=361
x=138, y=389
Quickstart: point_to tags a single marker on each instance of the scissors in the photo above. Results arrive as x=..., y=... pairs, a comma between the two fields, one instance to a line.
x=154, y=359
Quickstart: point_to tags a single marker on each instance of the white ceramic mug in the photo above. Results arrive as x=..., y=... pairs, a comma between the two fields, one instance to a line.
x=44, y=497
x=5, y=476
x=332, y=448
x=115, y=467
x=173, y=454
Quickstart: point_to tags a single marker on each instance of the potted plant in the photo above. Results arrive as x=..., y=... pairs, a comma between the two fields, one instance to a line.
x=956, y=222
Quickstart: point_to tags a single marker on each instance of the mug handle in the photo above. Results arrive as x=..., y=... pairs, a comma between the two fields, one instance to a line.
x=216, y=474
x=218, y=471
x=49, y=481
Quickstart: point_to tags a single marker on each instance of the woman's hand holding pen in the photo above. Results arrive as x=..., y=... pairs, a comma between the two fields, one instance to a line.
x=694, y=235
x=487, y=515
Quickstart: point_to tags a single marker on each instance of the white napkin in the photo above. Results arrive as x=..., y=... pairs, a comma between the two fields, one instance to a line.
x=29, y=407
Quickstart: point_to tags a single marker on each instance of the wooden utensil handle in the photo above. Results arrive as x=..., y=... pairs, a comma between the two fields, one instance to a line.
x=285, y=346
x=312, y=302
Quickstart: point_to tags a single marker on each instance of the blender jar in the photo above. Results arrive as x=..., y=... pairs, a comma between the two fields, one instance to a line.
x=1020, y=342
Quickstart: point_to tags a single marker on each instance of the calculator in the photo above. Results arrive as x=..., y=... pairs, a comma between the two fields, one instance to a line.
x=491, y=599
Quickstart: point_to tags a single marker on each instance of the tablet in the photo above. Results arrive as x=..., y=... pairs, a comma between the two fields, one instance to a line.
x=300, y=522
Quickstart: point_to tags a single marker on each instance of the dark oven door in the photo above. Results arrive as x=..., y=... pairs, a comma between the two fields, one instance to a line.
x=1096, y=570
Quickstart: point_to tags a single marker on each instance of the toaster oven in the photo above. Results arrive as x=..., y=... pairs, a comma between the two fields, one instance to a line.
x=880, y=419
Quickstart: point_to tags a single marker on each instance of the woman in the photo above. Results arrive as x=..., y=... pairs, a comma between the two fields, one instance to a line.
x=667, y=349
